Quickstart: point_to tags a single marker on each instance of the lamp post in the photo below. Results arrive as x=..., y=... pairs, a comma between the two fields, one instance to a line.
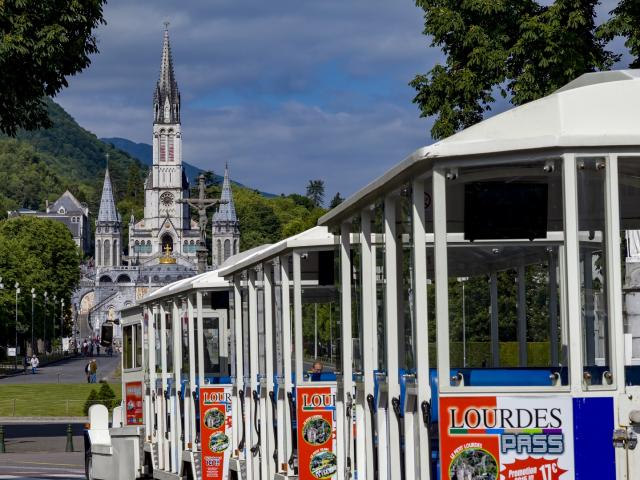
x=53, y=321
x=33, y=347
x=2, y=288
x=61, y=322
x=17, y=287
x=44, y=323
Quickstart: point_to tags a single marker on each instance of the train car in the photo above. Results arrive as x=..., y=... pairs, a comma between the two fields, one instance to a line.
x=471, y=314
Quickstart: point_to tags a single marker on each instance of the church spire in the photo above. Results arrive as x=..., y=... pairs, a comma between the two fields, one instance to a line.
x=107, y=212
x=227, y=210
x=166, y=97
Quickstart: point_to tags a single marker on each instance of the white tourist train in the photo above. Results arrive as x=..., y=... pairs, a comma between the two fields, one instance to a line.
x=473, y=313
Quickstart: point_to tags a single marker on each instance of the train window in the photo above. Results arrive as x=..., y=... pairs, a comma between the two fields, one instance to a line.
x=629, y=197
x=158, y=343
x=505, y=324
x=593, y=261
x=138, y=346
x=169, y=339
x=211, y=334
x=320, y=316
x=127, y=353
x=185, y=339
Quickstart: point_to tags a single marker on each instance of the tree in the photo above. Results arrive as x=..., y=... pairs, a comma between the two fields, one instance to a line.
x=624, y=22
x=315, y=192
x=209, y=178
x=41, y=44
x=41, y=254
x=518, y=49
x=336, y=200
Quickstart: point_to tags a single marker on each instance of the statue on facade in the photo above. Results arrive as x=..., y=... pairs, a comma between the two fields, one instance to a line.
x=201, y=204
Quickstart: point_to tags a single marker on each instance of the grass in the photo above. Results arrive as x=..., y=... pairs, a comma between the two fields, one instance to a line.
x=47, y=400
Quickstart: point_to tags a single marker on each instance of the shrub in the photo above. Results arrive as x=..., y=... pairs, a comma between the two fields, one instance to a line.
x=92, y=399
x=107, y=396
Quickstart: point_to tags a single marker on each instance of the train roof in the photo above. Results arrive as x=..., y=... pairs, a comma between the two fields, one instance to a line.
x=593, y=111
x=314, y=237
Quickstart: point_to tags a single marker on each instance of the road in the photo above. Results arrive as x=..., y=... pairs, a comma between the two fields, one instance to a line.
x=37, y=450
x=28, y=466
x=70, y=370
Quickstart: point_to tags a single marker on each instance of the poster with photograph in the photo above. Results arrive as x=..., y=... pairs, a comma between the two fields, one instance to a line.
x=506, y=438
x=133, y=403
x=215, y=431
x=316, y=412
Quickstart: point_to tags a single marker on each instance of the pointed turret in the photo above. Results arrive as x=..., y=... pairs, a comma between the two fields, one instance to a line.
x=166, y=97
x=227, y=210
x=108, y=229
x=108, y=211
x=226, y=227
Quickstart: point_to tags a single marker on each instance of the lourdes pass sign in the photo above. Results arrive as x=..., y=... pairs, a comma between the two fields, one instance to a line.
x=316, y=409
x=510, y=438
x=215, y=431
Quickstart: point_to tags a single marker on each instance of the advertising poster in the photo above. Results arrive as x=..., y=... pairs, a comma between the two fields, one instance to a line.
x=133, y=402
x=506, y=438
x=316, y=412
x=215, y=431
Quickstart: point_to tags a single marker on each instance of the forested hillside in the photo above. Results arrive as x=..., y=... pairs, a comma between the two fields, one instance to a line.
x=40, y=165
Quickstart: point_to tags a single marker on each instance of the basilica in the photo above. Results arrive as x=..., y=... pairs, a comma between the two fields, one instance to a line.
x=163, y=246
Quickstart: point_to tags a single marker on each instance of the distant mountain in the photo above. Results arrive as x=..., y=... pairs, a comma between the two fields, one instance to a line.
x=144, y=153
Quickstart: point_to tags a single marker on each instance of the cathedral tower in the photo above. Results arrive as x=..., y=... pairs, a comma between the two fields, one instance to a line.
x=108, y=229
x=167, y=221
x=225, y=239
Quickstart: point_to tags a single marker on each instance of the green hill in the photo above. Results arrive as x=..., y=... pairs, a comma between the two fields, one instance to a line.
x=42, y=164
x=39, y=166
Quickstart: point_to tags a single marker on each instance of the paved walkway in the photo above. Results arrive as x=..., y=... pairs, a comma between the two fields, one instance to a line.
x=42, y=466
x=70, y=370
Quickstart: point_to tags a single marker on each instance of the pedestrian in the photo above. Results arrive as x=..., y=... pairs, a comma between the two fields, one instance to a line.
x=84, y=348
x=25, y=363
x=94, y=369
x=34, y=364
x=87, y=371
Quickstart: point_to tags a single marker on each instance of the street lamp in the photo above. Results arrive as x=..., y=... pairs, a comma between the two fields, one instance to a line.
x=33, y=296
x=2, y=288
x=61, y=322
x=17, y=287
x=44, y=322
x=53, y=321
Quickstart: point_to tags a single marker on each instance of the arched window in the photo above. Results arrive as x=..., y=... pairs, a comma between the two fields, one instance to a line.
x=124, y=279
x=167, y=241
x=106, y=253
x=136, y=249
x=227, y=248
x=98, y=253
x=115, y=253
x=148, y=246
x=105, y=279
x=219, y=251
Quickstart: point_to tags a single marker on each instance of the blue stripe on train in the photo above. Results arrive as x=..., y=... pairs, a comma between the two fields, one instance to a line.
x=593, y=432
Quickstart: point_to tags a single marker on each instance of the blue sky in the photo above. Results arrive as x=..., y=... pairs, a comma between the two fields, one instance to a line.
x=285, y=91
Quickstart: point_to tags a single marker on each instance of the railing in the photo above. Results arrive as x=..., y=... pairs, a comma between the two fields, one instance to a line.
x=8, y=364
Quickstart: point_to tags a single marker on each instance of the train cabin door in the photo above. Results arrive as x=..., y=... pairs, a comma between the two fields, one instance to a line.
x=215, y=390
